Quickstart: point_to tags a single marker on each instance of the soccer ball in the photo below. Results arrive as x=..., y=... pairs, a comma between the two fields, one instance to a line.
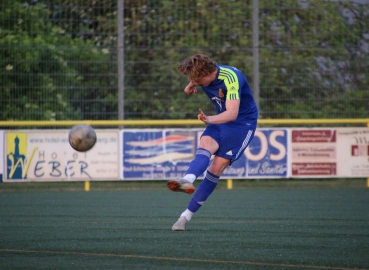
x=82, y=137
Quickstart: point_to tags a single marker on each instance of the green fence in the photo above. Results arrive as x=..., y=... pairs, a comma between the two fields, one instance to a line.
x=61, y=60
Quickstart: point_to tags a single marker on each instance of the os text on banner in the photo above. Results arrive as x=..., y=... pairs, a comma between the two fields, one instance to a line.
x=266, y=156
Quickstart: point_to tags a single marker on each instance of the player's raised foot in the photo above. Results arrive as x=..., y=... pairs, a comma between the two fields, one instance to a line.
x=181, y=185
x=181, y=224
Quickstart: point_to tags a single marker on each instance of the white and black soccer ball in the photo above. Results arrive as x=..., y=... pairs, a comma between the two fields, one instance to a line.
x=82, y=137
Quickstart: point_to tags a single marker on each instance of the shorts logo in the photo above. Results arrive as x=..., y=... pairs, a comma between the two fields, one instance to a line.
x=229, y=153
x=221, y=95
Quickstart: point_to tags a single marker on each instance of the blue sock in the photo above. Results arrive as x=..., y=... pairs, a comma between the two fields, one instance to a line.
x=204, y=190
x=200, y=163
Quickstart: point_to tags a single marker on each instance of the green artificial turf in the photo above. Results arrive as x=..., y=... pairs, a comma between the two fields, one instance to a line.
x=275, y=227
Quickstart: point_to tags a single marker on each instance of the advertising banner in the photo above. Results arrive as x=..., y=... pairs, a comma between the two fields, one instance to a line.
x=46, y=155
x=162, y=154
x=336, y=152
x=313, y=152
x=166, y=154
x=157, y=154
x=353, y=152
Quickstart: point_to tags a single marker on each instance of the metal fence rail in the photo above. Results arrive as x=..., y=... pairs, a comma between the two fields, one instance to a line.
x=182, y=122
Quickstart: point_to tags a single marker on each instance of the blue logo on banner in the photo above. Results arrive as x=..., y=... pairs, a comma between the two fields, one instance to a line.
x=157, y=154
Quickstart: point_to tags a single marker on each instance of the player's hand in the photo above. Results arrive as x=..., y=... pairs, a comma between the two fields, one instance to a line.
x=190, y=89
x=202, y=117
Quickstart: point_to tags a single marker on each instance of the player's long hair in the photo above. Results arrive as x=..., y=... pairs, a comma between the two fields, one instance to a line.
x=197, y=66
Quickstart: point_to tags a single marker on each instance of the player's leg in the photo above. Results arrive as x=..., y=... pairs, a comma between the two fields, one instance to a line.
x=204, y=190
x=231, y=147
x=196, y=168
x=198, y=165
x=208, y=185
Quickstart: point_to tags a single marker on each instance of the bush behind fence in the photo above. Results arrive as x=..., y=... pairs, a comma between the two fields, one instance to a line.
x=59, y=59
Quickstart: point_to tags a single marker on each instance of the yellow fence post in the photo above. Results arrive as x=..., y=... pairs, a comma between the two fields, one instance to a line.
x=367, y=180
x=87, y=185
x=229, y=183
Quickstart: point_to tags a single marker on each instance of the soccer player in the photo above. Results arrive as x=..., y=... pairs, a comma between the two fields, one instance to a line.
x=227, y=133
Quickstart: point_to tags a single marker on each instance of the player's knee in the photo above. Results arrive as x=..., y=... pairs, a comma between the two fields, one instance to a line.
x=218, y=168
x=209, y=144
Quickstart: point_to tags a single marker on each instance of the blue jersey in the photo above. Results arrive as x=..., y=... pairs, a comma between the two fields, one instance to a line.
x=229, y=84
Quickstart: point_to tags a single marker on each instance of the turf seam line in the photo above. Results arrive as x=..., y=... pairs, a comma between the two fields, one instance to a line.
x=175, y=259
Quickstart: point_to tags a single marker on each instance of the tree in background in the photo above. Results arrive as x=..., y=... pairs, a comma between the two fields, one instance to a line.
x=314, y=57
x=46, y=72
x=59, y=56
x=160, y=34
x=313, y=54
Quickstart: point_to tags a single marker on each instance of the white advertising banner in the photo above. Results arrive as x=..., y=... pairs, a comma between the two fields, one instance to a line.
x=336, y=152
x=353, y=152
x=45, y=155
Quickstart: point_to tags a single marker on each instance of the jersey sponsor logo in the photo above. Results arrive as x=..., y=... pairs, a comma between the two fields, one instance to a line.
x=217, y=99
x=221, y=95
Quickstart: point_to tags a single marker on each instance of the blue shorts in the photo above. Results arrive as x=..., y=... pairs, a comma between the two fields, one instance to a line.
x=232, y=139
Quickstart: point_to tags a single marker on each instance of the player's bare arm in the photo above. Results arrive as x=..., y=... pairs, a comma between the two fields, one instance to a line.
x=227, y=116
x=190, y=89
